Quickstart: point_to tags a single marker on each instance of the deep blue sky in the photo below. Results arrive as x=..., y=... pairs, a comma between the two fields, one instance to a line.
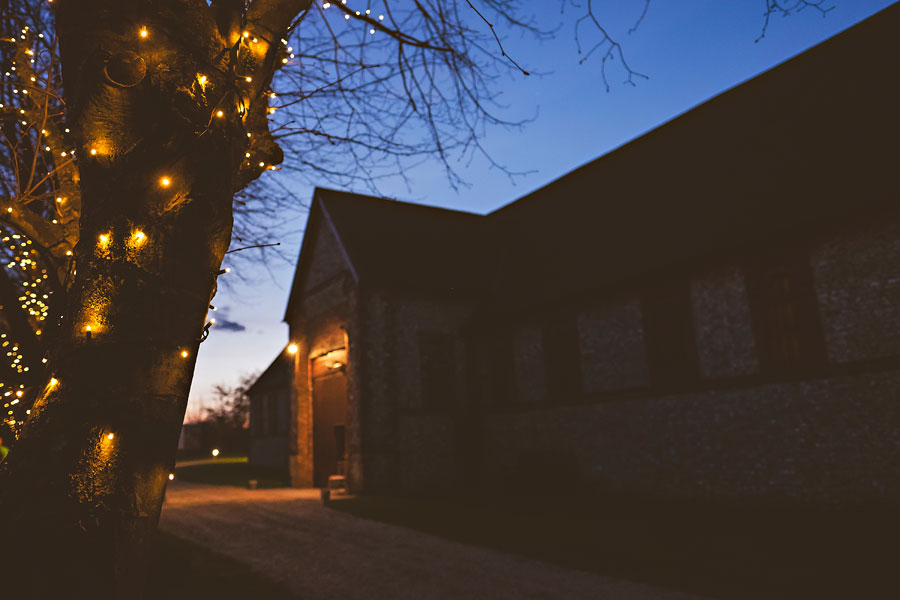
x=691, y=49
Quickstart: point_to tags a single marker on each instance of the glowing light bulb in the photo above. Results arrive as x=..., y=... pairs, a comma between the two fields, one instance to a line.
x=292, y=349
x=143, y=33
x=139, y=236
x=220, y=114
x=165, y=182
x=93, y=152
x=110, y=436
x=103, y=238
x=88, y=328
x=215, y=452
x=202, y=79
x=184, y=354
x=171, y=476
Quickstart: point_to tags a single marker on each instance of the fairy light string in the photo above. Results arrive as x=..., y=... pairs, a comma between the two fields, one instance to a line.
x=38, y=242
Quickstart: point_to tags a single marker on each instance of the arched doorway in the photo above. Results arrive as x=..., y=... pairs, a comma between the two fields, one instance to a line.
x=329, y=391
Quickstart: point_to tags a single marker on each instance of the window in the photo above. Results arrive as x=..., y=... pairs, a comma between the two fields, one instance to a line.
x=437, y=370
x=562, y=359
x=785, y=314
x=669, y=334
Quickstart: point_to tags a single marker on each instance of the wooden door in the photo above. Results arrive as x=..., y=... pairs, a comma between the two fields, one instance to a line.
x=329, y=426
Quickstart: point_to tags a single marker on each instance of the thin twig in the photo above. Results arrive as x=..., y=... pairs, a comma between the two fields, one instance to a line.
x=775, y=6
x=255, y=246
x=641, y=18
x=496, y=37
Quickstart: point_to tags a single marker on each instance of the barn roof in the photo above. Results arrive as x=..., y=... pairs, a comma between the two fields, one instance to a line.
x=797, y=149
x=281, y=368
x=807, y=144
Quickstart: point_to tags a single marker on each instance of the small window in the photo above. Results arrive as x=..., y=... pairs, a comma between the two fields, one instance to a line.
x=785, y=313
x=669, y=334
x=437, y=370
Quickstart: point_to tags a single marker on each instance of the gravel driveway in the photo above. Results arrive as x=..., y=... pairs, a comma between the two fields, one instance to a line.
x=287, y=535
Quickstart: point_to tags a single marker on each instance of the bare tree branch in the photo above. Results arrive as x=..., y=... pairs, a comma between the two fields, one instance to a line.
x=788, y=7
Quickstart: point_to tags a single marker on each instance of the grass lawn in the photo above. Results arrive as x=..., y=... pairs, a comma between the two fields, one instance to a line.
x=230, y=470
x=718, y=552
x=181, y=570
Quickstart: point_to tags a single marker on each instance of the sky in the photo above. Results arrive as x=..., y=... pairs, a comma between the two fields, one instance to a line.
x=691, y=50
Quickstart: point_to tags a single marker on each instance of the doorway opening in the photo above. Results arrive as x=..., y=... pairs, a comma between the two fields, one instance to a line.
x=329, y=394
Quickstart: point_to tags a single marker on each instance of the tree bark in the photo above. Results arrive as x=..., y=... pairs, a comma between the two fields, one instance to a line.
x=83, y=489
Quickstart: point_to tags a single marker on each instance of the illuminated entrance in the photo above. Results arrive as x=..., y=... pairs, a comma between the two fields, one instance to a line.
x=329, y=391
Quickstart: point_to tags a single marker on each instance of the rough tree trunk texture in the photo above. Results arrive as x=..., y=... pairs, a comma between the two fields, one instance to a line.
x=144, y=81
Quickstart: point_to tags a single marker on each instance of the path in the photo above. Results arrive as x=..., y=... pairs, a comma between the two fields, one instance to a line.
x=318, y=553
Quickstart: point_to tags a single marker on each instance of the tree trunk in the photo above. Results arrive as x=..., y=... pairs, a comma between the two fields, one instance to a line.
x=85, y=483
x=87, y=477
x=167, y=103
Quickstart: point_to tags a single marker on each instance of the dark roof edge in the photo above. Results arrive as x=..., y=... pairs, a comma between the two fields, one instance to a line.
x=326, y=192
x=276, y=362
x=309, y=220
x=737, y=88
x=340, y=242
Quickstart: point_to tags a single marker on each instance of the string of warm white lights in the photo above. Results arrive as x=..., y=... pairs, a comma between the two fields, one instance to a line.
x=135, y=241
x=34, y=110
x=20, y=375
x=27, y=287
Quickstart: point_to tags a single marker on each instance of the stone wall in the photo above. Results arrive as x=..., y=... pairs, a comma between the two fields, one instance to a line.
x=405, y=446
x=722, y=324
x=611, y=343
x=269, y=452
x=857, y=277
x=326, y=258
x=427, y=461
x=737, y=433
x=828, y=440
x=529, y=368
x=269, y=414
x=323, y=319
